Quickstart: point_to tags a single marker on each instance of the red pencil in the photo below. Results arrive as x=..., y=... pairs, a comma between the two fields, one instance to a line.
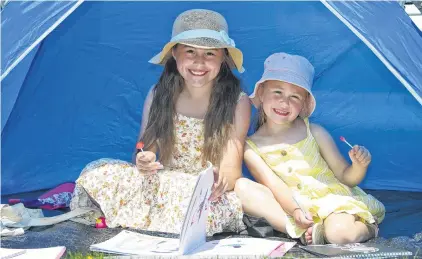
x=140, y=146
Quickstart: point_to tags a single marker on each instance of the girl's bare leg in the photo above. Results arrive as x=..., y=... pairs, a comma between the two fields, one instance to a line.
x=258, y=200
x=343, y=228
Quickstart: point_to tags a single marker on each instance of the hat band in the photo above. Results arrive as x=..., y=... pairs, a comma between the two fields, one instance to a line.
x=204, y=33
x=284, y=69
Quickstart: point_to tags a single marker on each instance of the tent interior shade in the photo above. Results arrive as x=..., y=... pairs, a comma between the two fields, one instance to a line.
x=77, y=96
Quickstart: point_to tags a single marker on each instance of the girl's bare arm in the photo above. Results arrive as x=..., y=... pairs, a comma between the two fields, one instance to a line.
x=347, y=174
x=231, y=163
x=144, y=122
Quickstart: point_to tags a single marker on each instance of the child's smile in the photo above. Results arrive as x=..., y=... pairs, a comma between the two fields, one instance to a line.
x=197, y=72
x=281, y=112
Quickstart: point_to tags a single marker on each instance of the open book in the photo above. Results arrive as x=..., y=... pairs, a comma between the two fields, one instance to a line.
x=356, y=250
x=193, y=234
x=132, y=243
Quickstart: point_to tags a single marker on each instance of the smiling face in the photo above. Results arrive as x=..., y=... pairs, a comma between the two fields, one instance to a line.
x=198, y=67
x=281, y=101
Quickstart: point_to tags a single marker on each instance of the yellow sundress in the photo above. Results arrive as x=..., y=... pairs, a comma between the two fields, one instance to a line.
x=303, y=169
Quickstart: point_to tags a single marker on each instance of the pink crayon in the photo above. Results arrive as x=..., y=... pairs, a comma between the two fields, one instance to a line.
x=345, y=141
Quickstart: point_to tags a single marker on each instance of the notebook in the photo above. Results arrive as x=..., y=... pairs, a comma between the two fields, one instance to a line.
x=193, y=234
x=132, y=243
x=45, y=253
x=355, y=250
x=238, y=246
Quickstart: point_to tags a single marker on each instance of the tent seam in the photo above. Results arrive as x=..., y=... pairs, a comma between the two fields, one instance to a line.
x=41, y=38
x=375, y=51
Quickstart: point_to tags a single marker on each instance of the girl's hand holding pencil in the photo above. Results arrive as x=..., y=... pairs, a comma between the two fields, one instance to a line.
x=359, y=155
x=302, y=217
x=145, y=161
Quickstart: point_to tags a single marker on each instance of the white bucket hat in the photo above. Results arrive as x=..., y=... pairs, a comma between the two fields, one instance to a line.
x=201, y=28
x=292, y=69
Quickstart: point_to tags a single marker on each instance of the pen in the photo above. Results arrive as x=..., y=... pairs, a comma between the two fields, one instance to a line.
x=309, y=217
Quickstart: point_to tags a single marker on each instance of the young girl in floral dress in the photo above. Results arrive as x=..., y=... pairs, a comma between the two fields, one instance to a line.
x=194, y=114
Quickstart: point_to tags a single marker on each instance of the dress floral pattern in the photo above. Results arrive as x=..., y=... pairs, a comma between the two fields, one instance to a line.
x=116, y=190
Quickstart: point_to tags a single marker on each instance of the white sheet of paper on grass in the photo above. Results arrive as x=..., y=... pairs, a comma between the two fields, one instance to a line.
x=45, y=253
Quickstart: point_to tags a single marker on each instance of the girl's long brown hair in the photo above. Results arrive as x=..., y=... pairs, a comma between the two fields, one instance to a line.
x=218, y=121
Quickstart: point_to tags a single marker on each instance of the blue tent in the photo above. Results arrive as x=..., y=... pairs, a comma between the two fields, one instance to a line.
x=75, y=74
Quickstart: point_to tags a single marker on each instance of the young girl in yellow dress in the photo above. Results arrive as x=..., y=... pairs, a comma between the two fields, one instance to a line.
x=307, y=189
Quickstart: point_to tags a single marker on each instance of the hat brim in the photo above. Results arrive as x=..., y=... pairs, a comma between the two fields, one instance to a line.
x=205, y=43
x=291, y=78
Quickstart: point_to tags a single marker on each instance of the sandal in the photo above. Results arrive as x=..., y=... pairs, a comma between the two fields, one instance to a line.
x=317, y=235
x=373, y=228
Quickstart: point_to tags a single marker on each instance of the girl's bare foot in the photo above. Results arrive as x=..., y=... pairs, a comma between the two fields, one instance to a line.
x=314, y=235
x=308, y=235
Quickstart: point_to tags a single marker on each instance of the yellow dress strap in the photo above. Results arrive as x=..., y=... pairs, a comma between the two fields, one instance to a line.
x=253, y=146
x=308, y=128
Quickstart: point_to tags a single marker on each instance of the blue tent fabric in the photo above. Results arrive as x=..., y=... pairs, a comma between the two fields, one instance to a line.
x=22, y=23
x=83, y=94
x=402, y=50
x=11, y=86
